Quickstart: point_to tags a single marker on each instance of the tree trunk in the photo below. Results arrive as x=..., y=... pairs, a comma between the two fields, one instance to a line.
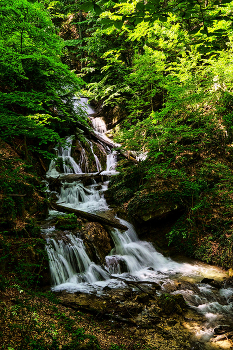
x=89, y=216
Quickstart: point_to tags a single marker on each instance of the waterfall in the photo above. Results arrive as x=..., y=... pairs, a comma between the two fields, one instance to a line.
x=97, y=162
x=72, y=269
x=99, y=125
x=111, y=161
x=64, y=157
x=83, y=103
x=70, y=264
x=83, y=161
x=77, y=196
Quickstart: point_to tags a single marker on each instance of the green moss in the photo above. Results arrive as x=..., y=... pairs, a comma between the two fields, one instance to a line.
x=66, y=222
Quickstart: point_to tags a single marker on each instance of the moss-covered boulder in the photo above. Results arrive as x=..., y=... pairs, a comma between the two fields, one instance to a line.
x=171, y=304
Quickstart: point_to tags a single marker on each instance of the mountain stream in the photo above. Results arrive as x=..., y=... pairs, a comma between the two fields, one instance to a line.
x=131, y=259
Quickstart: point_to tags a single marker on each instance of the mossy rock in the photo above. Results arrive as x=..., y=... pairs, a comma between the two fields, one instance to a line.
x=171, y=304
x=66, y=222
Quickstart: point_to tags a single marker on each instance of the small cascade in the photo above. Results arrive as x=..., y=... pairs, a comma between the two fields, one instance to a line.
x=76, y=195
x=70, y=264
x=97, y=162
x=83, y=163
x=99, y=125
x=65, y=160
x=83, y=103
x=111, y=161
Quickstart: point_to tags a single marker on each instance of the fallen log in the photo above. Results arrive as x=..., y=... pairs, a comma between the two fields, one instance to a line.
x=89, y=216
x=97, y=137
x=76, y=177
x=126, y=154
x=102, y=139
x=137, y=283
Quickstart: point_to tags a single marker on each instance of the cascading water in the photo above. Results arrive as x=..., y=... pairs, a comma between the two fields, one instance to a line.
x=97, y=162
x=66, y=161
x=99, y=125
x=83, y=103
x=76, y=196
x=72, y=269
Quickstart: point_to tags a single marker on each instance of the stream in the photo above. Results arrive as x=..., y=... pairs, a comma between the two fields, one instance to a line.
x=131, y=259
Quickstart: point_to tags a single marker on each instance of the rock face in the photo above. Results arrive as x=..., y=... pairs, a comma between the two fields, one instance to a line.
x=146, y=206
x=97, y=242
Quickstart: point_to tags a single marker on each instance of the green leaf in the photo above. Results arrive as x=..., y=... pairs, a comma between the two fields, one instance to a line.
x=163, y=18
x=138, y=20
x=204, y=30
x=118, y=24
x=140, y=6
x=97, y=9
x=150, y=7
x=88, y=6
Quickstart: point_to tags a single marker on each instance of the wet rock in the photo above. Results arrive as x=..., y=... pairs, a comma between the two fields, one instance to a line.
x=222, y=329
x=143, y=298
x=151, y=269
x=196, y=346
x=116, y=264
x=129, y=309
x=212, y=282
x=151, y=213
x=106, y=288
x=171, y=286
x=183, y=285
x=228, y=283
x=172, y=303
x=97, y=242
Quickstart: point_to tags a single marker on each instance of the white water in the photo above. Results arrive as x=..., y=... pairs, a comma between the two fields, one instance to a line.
x=75, y=195
x=83, y=103
x=68, y=162
x=97, y=162
x=83, y=161
x=72, y=270
x=111, y=162
x=99, y=125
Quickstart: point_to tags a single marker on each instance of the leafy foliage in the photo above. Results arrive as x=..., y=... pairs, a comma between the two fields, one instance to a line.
x=35, y=87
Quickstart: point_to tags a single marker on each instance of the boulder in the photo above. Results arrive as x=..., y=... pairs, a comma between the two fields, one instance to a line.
x=146, y=206
x=172, y=303
x=212, y=282
x=97, y=242
x=222, y=329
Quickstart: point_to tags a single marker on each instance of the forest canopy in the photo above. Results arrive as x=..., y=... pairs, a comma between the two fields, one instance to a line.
x=35, y=86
